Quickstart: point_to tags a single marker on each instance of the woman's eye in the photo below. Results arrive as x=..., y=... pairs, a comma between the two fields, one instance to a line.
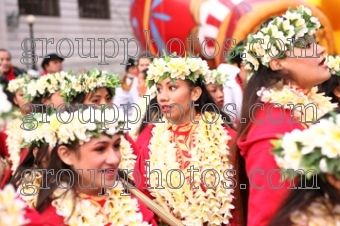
x=100, y=149
x=117, y=146
x=172, y=88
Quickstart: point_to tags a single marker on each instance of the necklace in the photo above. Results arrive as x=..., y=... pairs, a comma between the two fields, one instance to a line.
x=285, y=95
x=209, y=151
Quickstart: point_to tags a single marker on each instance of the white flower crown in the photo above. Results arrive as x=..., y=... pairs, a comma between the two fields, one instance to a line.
x=89, y=81
x=176, y=68
x=18, y=83
x=6, y=108
x=333, y=63
x=316, y=148
x=295, y=24
x=59, y=129
x=45, y=85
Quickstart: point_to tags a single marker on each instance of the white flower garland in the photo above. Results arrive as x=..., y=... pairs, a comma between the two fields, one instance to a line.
x=6, y=108
x=12, y=208
x=45, y=85
x=14, y=141
x=128, y=158
x=298, y=24
x=333, y=63
x=176, y=68
x=18, y=83
x=210, y=151
x=286, y=94
x=117, y=210
x=57, y=132
x=315, y=148
x=88, y=82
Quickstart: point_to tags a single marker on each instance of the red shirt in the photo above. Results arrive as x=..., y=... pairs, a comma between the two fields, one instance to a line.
x=255, y=147
x=144, y=155
x=51, y=218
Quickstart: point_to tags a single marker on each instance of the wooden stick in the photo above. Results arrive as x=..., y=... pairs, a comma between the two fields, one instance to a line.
x=154, y=207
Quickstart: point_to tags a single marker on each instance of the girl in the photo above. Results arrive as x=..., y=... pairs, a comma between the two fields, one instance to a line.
x=98, y=88
x=89, y=153
x=46, y=90
x=13, y=131
x=318, y=201
x=13, y=210
x=331, y=87
x=214, y=84
x=192, y=137
x=274, y=94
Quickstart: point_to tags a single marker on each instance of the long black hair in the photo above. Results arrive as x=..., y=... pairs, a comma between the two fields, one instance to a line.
x=329, y=86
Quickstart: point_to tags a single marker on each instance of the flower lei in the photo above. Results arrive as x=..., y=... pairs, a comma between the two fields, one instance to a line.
x=87, y=82
x=14, y=141
x=12, y=208
x=298, y=24
x=18, y=83
x=193, y=206
x=176, y=68
x=285, y=95
x=80, y=128
x=134, y=132
x=117, y=210
x=316, y=148
x=6, y=111
x=333, y=63
x=45, y=86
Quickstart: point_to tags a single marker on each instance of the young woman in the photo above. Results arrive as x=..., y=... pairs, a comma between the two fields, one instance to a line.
x=318, y=200
x=13, y=210
x=331, y=87
x=46, y=90
x=277, y=88
x=98, y=88
x=192, y=137
x=91, y=156
x=13, y=131
x=214, y=84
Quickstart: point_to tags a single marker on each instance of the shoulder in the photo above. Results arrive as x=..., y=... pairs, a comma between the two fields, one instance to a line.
x=50, y=217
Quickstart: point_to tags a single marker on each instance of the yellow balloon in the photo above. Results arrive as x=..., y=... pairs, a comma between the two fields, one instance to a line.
x=331, y=10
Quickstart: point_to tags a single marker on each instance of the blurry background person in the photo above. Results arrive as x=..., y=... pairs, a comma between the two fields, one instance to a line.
x=8, y=72
x=142, y=88
x=143, y=62
x=52, y=64
x=127, y=93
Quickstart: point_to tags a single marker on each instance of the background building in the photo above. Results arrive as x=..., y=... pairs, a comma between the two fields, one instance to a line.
x=69, y=19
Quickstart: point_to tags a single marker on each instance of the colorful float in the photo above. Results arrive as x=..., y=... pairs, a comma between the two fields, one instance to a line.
x=208, y=27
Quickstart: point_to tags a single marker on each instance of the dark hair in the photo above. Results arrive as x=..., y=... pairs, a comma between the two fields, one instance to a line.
x=300, y=198
x=145, y=54
x=329, y=86
x=5, y=50
x=29, y=161
x=80, y=98
x=145, y=72
x=154, y=114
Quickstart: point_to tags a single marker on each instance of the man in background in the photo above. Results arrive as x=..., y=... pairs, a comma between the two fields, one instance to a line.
x=53, y=64
x=8, y=72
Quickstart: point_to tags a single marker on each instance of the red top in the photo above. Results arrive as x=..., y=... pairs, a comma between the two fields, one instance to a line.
x=44, y=73
x=133, y=144
x=10, y=75
x=144, y=136
x=33, y=216
x=255, y=148
x=144, y=155
x=51, y=218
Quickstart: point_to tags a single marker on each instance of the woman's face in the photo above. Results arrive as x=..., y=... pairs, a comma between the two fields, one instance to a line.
x=101, y=96
x=141, y=85
x=54, y=99
x=179, y=95
x=307, y=69
x=216, y=92
x=96, y=162
x=20, y=101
